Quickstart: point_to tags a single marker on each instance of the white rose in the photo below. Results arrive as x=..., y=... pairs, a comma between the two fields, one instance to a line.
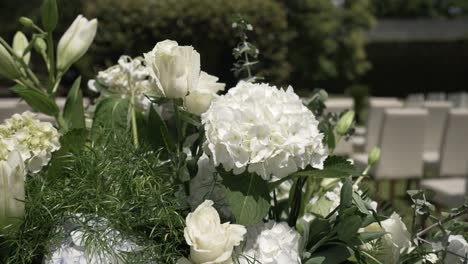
x=396, y=239
x=199, y=99
x=174, y=68
x=12, y=174
x=75, y=42
x=210, y=241
x=271, y=243
x=459, y=246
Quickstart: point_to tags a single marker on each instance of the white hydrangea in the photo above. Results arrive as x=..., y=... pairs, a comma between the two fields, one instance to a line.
x=271, y=243
x=129, y=75
x=263, y=129
x=33, y=139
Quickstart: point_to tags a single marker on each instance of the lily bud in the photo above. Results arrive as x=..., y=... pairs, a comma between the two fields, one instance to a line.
x=20, y=43
x=27, y=22
x=8, y=66
x=40, y=45
x=345, y=122
x=374, y=156
x=75, y=42
x=12, y=174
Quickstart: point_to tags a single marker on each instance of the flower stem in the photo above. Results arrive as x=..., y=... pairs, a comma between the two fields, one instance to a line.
x=133, y=113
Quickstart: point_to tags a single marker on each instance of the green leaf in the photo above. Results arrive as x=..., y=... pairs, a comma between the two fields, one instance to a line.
x=320, y=227
x=331, y=255
x=38, y=100
x=111, y=114
x=248, y=197
x=73, y=113
x=334, y=167
x=72, y=142
x=346, y=195
x=49, y=14
x=189, y=118
x=348, y=227
x=159, y=134
x=360, y=204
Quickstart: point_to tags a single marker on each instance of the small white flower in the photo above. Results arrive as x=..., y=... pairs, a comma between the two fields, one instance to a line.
x=127, y=77
x=459, y=246
x=33, y=139
x=271, y=243
x=175, y=69
x=263, y=129
x=210, y=241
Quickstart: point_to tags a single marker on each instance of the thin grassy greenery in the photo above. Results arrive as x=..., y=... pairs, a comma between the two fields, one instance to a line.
x=130, y=188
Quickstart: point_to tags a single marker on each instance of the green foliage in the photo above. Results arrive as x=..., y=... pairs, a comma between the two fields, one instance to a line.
x=419, y=8
x=38, y=100
x=73, y=112
x=134, y=26
x=335, y=41
x=248, y=197
x=128, y=187
x=111, y=114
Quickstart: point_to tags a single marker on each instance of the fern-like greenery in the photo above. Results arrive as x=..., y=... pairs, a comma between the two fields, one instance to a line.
x=129, y=187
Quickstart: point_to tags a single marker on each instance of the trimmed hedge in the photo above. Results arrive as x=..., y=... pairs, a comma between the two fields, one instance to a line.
x=134, y=26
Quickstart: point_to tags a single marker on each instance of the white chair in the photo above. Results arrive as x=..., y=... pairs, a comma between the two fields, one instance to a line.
x=438, y=113
x=414, y=100
x=338, y=105
x=436, y=96
x=459, y=100
x=452, y=165
x=375, y=117
x=401, y=143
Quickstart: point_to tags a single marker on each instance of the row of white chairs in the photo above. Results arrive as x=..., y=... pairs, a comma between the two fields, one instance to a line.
x=10, y=106
x=415, y=141
x=458, y=99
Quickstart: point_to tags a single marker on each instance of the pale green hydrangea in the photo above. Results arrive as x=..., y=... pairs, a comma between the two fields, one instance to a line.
x=33, y=139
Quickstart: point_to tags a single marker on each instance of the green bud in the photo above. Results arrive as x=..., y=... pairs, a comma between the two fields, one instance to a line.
x=345, y=123
x=374, y=156
x=20, y=43
x=40, y=45
x=49, y=14
x=26, y=22
x=323, y=95
x=8, y=66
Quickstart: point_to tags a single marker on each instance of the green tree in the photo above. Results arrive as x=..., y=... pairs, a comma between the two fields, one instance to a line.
x=329, y=44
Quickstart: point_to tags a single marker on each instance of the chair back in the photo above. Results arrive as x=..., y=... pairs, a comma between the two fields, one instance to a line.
x=401, y=143
x=10, y=106
x=438, y=113
x=375, y=116
x=415, y=100
x=454, y=152
x=338, y=105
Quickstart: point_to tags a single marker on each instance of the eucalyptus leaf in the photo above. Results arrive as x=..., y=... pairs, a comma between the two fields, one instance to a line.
x=369, y=236
x=346, y=195
x=159, y=136
x=248, y=197
x=331, y=255
x=348, y=227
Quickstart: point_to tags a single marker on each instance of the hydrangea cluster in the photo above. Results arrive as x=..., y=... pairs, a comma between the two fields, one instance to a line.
x=129, y=75
x=271, y=243
x=33, y=139
x=263, y=129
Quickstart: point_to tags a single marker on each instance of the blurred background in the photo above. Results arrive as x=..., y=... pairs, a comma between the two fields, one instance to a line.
x=353, y=47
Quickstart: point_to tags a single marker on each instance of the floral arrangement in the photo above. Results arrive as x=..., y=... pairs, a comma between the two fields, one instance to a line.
x=168, y=166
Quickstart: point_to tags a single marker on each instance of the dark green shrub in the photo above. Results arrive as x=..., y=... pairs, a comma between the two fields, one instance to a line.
x=134, y=26
x=329, y=47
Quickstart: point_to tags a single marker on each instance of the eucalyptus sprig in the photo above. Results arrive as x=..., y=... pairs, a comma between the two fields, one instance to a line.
x=245, y=52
